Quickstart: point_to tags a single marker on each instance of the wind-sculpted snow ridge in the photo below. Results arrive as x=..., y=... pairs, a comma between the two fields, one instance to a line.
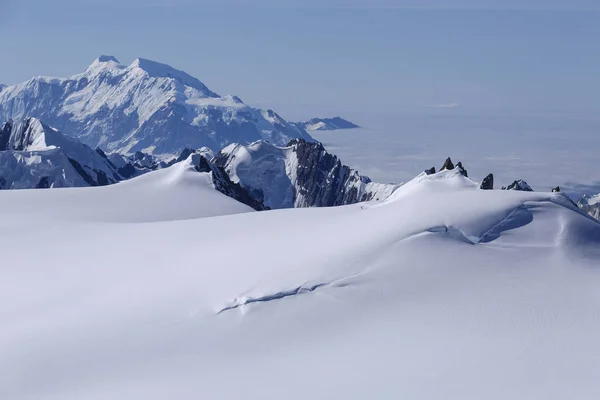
x=303, y=174
x=146, y=106
x=34, y=155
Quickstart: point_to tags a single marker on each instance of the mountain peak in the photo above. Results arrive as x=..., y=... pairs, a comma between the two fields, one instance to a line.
x=104, y=62
x=159, y=70
x=105, y=59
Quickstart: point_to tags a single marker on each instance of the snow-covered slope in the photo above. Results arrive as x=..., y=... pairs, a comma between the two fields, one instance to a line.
x=33, y=154
x=144, y=106
x=326, y=124
x=302, y=174
x=442, y=291
x=174, y=193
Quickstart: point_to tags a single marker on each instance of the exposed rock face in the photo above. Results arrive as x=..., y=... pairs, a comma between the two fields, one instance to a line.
x=519, y=185
x=34, y=155
x=449, y=165
x=204, y=166
x=223, y=183
x=5, y=133
x=487, y=183
x=303, y=174
x=463, y=171
x=590, y=205
x=556, y=189
x=430, y=171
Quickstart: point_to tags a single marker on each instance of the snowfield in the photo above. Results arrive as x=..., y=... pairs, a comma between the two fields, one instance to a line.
x=160, y=287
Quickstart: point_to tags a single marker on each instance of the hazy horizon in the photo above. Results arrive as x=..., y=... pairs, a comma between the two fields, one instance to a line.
x=302, y=57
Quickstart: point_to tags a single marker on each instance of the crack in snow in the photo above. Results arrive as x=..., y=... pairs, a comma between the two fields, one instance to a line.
x=242, y=301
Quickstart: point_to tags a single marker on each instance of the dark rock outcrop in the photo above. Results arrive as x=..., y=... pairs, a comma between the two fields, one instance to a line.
x=519, y=185
x=224, y=184
x=590, y=205
x=447, y=165
x=487, y=183
x=462, y=170
x=556, y=189
x=43, y=183
x=5, y=135
x=323, y=180
x=430, y=171
x=127, y=171
x=203, y=165
x=303, y=174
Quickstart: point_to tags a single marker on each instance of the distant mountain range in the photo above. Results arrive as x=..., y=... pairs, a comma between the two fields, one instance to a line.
x=261, y=175
x=326, y=124
x=149, y=116
x=146, y=106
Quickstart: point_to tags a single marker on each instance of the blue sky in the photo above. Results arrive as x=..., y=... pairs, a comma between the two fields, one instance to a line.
x=332, y=55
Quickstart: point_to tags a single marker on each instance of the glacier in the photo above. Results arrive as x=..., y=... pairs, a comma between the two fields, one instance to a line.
x=160, y=286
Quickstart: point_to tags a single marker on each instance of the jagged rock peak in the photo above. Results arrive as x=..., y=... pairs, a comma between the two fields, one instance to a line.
x=519, y=185
x=487, y=183
x=201, y=164
x=556, y=189
x=447, y=165
x=302, y=174
x=430, y=171
x=463, y=171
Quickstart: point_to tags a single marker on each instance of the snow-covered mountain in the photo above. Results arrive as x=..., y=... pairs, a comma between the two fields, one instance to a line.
x=303, y=174
x=34, y=155
x=2, y=86
x=145, y=106
x=326, y=124
x=443, y=291
x=591, y=205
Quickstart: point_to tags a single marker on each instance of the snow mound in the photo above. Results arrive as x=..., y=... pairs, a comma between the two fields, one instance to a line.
x=174, y=193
